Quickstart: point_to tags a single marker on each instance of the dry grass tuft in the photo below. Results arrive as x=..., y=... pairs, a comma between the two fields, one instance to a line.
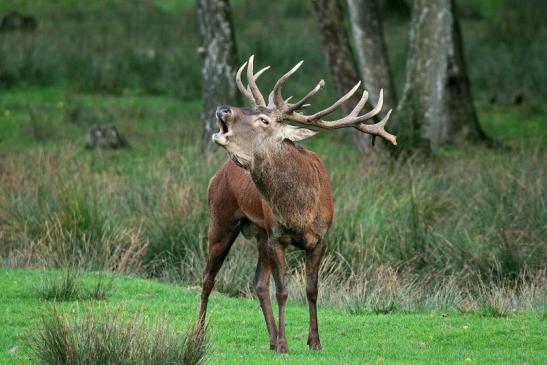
x=111, y=339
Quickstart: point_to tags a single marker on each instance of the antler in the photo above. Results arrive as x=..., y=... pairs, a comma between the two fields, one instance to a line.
x=289, y=111
x=353, y=119
x=251, y=92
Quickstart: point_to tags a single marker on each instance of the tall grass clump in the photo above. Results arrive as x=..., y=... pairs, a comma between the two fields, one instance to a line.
x=175, y=211
x=68, y=286
x=64, y=288
x=111, y=339
x=385, y=289
x=456, y=214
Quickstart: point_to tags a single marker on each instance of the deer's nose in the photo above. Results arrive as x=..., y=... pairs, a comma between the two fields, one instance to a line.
x=222, y=111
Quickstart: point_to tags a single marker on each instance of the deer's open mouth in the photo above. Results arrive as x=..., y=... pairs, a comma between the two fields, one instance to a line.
x=223, y=134
x=223, y=126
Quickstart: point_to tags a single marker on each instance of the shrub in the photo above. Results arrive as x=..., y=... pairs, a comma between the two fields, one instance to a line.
x=110, y=339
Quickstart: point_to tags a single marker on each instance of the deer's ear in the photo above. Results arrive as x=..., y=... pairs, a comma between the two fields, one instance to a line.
x=296, y=134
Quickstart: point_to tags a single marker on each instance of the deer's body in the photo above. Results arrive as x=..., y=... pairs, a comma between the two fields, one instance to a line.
x=292, y=197
x=275, y=190
x=288, y=202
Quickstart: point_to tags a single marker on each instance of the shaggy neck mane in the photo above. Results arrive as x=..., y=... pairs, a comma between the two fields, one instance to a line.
x=289, y=181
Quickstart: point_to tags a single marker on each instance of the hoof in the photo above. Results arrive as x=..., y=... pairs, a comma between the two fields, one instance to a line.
x=282, y=347
x=273, y=346
x=314, y=344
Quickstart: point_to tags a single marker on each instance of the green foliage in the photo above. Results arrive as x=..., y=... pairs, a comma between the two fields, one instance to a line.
x=105, y=47
x=500, y=122
x=108, y=338
x=150, y=46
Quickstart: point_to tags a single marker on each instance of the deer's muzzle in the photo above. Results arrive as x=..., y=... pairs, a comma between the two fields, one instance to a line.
x=221, y=137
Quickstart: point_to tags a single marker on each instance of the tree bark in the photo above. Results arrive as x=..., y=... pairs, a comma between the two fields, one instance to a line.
x=336, y=46
x=370, y=48
x=437, y=106
x=218, y=48
x=338, y=54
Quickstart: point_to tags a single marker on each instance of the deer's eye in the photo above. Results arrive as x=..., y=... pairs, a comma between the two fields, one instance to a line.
x=264, y=121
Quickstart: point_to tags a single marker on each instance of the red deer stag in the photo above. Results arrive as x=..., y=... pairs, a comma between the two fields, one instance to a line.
x=275, y=190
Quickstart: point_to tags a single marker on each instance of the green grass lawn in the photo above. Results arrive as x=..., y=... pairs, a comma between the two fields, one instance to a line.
x=238, y=333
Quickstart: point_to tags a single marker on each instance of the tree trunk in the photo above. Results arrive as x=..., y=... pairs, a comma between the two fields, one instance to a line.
x=338, y=53
x=219, y=52
x=436, y=107
x=370, y=48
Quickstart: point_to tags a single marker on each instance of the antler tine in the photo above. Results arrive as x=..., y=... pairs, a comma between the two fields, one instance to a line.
x=339, y=102
x=243, y=89
x=256, y=76
x=259, y=73
x=378, y=129
x=247, y=91
x=252, y=83
x=376, y=109
x=347, y=121
x=275, y=98
x=360, y=105
x=300, y=104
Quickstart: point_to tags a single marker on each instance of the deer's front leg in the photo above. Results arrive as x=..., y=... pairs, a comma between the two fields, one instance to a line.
x=262, y=286
x=277, y=256
x=313, y=261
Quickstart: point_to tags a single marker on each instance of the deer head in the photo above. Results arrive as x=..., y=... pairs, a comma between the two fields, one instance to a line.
x=243, y=130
